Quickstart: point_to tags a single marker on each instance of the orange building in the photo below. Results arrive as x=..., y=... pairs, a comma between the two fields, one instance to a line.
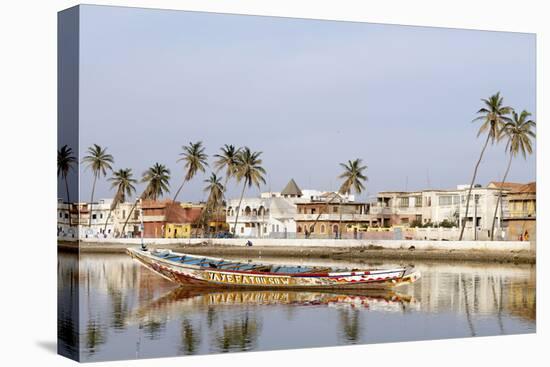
x=158, y=215
x=521, y=220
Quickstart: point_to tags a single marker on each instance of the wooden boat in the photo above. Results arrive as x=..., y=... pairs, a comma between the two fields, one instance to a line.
x=203, y=271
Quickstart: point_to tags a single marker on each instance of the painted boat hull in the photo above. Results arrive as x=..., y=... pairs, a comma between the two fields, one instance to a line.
x=201, y=276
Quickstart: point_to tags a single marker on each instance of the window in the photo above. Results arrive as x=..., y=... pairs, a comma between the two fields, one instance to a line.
x=445, y=200
x=299, y=229
x=404, y=220
x=335, y=209
x=313, y=211
x=242, y=230
x=66, y=216
x=94, y=216
x=418, y=201
x=404, y=202
x=124, y=214
x=60, y=215
x=100, y=215
x=277, y=228
x=322, y=228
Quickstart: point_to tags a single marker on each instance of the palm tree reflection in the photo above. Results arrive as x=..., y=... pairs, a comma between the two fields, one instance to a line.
x=349, y=319
x=190, y=337
x=240, y=334
x=94, y=336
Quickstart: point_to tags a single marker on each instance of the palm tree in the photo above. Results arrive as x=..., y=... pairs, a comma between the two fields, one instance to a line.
x=123, y=181
x=100, y=162
x=227, y=160
x=65, y=162
x=195, y=160
x=518, y=133
x=215, y=191
x=353, y=180
x=494, y=115
x=354, y=177
x=250, y=171
x=157, y=178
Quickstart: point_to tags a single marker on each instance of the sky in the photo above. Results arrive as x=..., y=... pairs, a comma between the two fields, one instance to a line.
x=308, y=94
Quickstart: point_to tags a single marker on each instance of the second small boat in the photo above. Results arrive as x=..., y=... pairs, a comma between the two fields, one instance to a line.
x=205, y=271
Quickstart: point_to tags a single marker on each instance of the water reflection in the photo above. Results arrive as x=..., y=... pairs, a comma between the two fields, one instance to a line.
x=126, y=311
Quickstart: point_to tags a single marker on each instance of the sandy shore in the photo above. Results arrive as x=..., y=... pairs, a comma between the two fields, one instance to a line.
x=374, y=253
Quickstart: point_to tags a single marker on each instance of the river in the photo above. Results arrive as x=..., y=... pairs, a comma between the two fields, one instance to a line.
x=124, y=311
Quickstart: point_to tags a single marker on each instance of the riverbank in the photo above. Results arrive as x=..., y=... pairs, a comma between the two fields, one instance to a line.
x=386, y=250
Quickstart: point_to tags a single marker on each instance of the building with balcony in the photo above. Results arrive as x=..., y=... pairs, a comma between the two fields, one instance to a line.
x=398, y=208
x=333, y=219
x=273, y=213
x=520, y=220
x=74, y=219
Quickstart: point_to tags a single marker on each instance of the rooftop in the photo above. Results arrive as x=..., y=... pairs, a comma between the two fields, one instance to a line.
x=529, y=188
x=291, y=189
x=505, y=185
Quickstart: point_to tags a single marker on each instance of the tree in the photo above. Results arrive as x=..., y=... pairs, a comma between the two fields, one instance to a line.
x=353, y=180
x=100, y=162
x=250, y=171
x=518, y=133
x=65, y=162
x=228, y=160
x=123, y=181
x=157, y=179
x=493, y=115
x=195, y=160
x=214, y=202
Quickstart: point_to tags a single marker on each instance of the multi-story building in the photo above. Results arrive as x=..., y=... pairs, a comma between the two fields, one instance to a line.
x=273, y=213
x=74, y=219
x=437, y=206
x=520, y=220
x=331, y=218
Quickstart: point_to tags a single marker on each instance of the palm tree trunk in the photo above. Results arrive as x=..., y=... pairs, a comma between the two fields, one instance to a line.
x=178, y=192
x=340, y=223
x=108, y=217
x=471, y=186
x=68, y=200
x=499, y=200
x=128, y=217
x=67, y=189
x=92, y=200
x=238, y=209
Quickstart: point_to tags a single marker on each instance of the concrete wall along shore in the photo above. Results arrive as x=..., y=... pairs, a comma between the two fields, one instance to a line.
x=342, y=243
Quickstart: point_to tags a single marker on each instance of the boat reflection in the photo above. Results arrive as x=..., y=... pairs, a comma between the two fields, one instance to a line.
x=186, y=300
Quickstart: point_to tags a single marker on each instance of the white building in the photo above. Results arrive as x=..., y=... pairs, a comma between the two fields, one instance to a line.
x=273, y=213
x=437, y=206
x=77, y=221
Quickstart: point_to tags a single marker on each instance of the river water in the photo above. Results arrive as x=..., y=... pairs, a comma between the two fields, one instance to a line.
x=125, y=311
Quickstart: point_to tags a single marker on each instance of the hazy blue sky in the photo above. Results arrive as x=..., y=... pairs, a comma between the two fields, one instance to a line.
x=309, y=94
